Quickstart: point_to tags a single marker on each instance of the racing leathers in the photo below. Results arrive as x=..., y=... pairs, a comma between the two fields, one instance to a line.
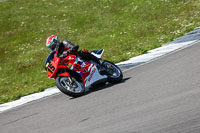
x=66, y=47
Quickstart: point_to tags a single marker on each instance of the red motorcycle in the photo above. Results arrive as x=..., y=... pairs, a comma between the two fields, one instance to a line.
x=75, y=76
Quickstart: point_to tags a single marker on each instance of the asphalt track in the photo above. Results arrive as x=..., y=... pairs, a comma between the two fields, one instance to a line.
x=162, y=96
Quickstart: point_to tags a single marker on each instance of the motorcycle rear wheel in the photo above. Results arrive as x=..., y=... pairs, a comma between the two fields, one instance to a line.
x=70, y=87
x=114, y=72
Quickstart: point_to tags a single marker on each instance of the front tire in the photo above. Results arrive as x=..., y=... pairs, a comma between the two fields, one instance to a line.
x=115, y=74
x=70, y=86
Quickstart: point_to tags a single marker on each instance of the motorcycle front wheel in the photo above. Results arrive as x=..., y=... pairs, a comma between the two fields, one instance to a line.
x=70, y=86
x=114, y=72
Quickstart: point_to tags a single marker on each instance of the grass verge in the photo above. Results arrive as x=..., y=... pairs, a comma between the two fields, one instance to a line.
x=123, y=28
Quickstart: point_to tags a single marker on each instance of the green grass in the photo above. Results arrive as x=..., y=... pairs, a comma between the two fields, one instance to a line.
x=123, y=28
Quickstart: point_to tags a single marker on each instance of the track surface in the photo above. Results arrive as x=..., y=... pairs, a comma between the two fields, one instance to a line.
x=159, y=97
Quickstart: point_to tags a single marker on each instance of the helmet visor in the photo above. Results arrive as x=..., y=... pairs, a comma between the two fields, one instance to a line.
x=53, y=46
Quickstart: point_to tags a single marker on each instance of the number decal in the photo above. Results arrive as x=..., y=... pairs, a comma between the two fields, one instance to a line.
x=77, y=67
x=51, y=68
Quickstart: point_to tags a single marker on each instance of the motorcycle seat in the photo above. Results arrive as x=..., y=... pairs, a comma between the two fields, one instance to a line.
x=98, y=51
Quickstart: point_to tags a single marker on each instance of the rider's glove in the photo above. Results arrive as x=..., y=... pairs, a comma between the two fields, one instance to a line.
x=85, y=50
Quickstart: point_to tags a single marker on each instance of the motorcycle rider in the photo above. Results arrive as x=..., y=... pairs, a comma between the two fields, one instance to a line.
x=66, y=47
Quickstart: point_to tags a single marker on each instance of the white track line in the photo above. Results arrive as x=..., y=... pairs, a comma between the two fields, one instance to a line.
x=180, y=43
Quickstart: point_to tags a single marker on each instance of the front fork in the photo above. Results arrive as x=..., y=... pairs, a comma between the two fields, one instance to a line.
x=70, y=80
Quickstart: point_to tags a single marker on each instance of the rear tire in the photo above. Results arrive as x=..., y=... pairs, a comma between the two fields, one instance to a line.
x=115, y=74
x=74, y=89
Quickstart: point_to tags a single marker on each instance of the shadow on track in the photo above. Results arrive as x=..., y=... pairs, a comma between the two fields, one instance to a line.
x=101, y=87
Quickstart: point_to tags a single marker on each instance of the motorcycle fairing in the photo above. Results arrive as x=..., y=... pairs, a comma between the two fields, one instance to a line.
x=49, y=59
x=53, y=67
x=88, y=72
x=94, y=75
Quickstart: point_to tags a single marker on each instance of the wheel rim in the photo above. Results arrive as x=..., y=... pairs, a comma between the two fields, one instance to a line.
x=112, y=70
x=74, y=87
